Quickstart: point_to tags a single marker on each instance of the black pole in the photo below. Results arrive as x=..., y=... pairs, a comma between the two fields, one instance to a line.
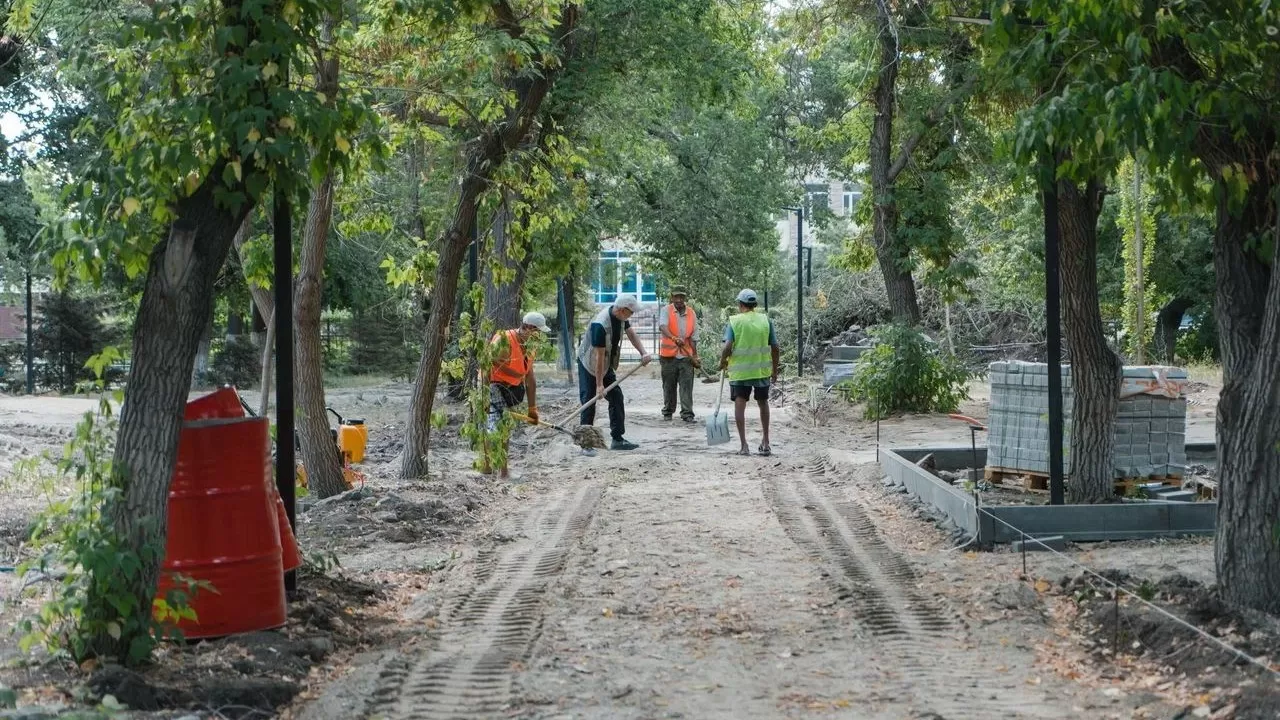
x=766, y=302
x=562, y=309
x=800, y=291
x=31, y=355
x=808, y=267
x=285, y=457
x=1052, y=311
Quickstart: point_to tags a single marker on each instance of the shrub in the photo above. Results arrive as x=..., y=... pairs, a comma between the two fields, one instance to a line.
x=238, y=363
x=905, y=372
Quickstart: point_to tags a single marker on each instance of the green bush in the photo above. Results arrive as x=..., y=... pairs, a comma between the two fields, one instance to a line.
x=238, y=363
x=906, y=373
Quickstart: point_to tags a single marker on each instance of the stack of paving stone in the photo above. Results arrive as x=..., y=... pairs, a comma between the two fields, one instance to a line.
x=1150, y=429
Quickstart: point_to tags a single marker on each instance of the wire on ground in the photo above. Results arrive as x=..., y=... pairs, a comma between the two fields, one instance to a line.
x=1122, y=589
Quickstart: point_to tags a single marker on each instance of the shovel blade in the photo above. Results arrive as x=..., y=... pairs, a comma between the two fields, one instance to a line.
x=718, y=428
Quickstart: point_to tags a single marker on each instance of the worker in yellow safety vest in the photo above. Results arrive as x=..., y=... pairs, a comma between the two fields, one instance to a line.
x=750, y=356
x=678, y=353
x=511, y=378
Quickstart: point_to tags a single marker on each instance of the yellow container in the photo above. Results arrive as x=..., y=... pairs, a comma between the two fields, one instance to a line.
x=352, y=438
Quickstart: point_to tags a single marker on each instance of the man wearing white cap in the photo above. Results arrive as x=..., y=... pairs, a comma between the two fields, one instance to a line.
x=511, y=377
x=750, y=357
x=598, y=356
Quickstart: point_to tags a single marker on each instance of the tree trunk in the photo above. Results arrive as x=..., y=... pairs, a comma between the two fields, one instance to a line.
x=1096, y=371
x=201, y=366
x=485, y=154
x=268, y=344
x=324, y=471
x=1168, y=322
x=177, y=302
x=323, y=465
x=503, y=297
x=900, y=287
x=1247, y=308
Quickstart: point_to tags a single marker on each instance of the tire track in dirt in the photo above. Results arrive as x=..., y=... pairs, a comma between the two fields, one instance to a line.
x=467, y=672
x=924, y=643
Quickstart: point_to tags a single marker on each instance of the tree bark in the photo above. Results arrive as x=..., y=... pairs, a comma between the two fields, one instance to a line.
x=177, y=302
x=323, y=465
x=900, y=287
x=1247, y=308
x=502, y=297
x=268, y=345
x=1168, y=322
x=484, y=156
x=201, y=365
x=324, y=471
x=570, y=311
x=1096, y=371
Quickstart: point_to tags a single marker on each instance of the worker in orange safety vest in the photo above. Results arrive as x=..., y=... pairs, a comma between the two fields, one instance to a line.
x=678, y=353
x=511, y=377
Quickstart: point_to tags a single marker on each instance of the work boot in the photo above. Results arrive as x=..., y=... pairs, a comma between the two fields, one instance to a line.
x=622, y=444
x=689, y=419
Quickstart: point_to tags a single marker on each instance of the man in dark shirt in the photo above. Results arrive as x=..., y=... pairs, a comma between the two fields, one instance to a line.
x=598, y=356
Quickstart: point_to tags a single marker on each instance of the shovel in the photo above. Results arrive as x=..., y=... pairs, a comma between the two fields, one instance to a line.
x=707, y=378
x=718, y=423
x=585, y=437
x=596, y=399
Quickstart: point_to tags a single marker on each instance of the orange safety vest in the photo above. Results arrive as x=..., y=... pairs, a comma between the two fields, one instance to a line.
x=668, y=347
x=513, y=370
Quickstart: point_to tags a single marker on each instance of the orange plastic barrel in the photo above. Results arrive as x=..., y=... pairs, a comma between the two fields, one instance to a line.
x=221, y=403
x=289, y=555
x=225, y=403
x=223, y=528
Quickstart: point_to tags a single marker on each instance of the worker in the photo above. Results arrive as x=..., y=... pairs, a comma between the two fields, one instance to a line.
x=511, y=380
x=598, y=357
x=750, y=356
x=678, y=354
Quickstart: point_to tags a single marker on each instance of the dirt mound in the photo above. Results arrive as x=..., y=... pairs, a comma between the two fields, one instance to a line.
x=1134, y=629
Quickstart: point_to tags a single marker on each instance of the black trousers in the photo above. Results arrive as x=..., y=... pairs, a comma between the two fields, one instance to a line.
x=587, y=390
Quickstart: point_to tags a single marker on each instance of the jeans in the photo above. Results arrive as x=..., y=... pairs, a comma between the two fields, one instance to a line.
x=677, y=373
x=587, y=390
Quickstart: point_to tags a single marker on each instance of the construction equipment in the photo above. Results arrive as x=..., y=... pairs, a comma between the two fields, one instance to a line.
x=718, y=423
x=585, y=436
x=351, y=437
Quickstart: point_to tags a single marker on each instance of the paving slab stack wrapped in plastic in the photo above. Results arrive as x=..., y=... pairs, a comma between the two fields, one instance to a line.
x=1150, y=430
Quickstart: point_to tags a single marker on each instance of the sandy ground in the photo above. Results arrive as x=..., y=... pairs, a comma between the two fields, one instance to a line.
x=683, y=581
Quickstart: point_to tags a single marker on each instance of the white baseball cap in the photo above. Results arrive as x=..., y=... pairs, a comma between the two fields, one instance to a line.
x=627, y=302
x=747, y=296
x=538, y=320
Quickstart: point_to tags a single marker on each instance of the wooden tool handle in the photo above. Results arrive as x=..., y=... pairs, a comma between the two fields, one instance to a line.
x=596, y=399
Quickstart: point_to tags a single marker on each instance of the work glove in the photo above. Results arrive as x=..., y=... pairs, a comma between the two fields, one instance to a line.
x=533, y=416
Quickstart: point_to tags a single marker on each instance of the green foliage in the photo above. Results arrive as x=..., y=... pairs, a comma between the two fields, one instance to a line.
x=237, y=363
x=385, y=341
x=67, y=332
x=1129, y=207
x=195, y=98
x=92, y=567
x=905, y=373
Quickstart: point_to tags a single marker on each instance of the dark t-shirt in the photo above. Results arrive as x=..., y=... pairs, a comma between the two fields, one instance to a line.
x=598, y=335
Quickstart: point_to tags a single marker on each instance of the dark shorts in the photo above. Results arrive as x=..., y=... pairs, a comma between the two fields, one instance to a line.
x=742, y=389
x=502, y=397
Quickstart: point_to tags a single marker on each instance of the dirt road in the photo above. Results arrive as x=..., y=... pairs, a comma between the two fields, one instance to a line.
x=681, y=581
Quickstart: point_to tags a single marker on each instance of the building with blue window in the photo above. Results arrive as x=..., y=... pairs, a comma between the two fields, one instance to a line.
x=621, y=272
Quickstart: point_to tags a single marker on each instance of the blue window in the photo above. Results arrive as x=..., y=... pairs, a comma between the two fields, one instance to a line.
x=618, y=273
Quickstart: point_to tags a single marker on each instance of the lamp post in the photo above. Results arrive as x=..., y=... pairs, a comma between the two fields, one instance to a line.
x=799, y=211
x=1052, y=308
x=282, y=241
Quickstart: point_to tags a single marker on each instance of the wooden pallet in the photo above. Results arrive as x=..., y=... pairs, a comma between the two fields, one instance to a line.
x=1040, y=481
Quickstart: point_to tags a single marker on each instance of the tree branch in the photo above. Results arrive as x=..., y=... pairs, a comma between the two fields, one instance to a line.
x=931, y=119
x=506, y=19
